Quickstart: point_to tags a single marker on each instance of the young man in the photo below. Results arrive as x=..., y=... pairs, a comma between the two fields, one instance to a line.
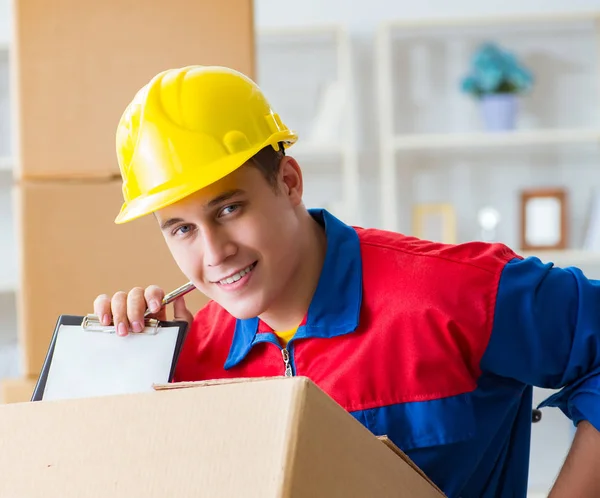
x=437, y=346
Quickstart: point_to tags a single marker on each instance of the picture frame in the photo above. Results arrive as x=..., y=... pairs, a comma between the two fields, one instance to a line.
x=591, y=241
x=435, y=222
x=543, y=219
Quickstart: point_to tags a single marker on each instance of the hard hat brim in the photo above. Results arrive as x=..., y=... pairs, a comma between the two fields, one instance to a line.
x=149, y=203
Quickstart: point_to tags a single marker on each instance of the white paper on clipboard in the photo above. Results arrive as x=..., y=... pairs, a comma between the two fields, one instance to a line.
x=92, y=363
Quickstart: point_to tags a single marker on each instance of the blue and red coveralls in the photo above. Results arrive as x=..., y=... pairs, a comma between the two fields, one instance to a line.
x=436, y=346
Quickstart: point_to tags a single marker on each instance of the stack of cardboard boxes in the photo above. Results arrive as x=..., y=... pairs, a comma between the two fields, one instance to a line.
x=75, y=66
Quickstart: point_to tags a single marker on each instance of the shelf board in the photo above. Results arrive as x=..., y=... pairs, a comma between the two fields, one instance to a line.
x=6, y=163
x=315, y=151
x=306, y=29
x=508, y=20
x=7, y=287
x=519, y=138
x=565, y=257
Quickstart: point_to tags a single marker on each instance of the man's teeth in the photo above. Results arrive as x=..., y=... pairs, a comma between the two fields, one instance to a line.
x=237, y=276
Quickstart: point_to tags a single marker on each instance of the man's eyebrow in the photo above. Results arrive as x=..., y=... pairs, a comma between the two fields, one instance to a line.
x=170, y=222
x=224, y=197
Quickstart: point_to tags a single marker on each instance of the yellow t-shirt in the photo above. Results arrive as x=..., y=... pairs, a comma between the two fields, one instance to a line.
x=285, y=336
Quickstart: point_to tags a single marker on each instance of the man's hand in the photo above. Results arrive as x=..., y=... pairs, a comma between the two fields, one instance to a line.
x=126, y=310
x=580, y=475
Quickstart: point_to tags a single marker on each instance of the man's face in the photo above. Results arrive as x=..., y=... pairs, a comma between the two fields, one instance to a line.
x=236, y=239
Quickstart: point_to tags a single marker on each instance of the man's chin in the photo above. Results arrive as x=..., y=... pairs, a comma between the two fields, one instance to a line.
x=242, y=312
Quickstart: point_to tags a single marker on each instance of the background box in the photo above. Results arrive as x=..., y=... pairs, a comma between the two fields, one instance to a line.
x=72, y=251
x=78, y=64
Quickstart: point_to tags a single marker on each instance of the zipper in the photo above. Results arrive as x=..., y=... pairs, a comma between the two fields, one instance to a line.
x=286, y=362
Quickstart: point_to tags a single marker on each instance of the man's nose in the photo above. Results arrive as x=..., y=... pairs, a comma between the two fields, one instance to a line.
x=217, y=247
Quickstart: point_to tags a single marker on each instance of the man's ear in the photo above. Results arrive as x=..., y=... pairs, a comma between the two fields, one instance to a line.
x=290, y=176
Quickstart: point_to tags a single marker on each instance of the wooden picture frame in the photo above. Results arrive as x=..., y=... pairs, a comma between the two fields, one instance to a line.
x=543, y=219
x=435, y=222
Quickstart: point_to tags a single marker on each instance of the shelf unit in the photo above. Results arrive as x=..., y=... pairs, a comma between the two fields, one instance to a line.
x=8, y=245
x=410, y=135
x=428, y=56
x=294, y=63
x=567, y=257
x=9, y=349
x=6, y=164
x=517, y=138
x=8, y=286
x=8, y=279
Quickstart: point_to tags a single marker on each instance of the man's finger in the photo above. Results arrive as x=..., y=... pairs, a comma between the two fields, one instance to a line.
x=154, y=296
x=181, y=312
x=102, y=309
x=136, y=306
x=119, y=311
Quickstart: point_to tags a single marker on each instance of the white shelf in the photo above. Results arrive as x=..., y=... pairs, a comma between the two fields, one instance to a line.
x=519, y=138
x=309, y=151
x=565, y=257
x=7, y=287
x=331, y=45
x=286, y=32
x=6, y=163
x=415, y=101
x=530, y=20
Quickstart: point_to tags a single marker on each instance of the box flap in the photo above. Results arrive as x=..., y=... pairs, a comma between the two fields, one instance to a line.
x=335, y=455
x=212, y=382
x=390, y=444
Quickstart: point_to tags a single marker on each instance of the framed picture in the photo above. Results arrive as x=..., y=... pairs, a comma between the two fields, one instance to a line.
x=591, y=240
x=435, y=222
x=543, y=219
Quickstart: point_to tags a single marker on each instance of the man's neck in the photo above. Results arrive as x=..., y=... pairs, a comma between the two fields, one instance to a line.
x=290, y=310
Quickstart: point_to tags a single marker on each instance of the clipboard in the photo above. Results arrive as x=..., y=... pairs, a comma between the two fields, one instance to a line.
x=87, y=359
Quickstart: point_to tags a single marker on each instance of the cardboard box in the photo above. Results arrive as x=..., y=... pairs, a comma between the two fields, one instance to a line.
x=279, y=437
x=78, y=64
x=71, y=251
x=16, y=390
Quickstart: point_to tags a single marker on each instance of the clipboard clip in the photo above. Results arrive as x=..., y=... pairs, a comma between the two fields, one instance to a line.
x=92, y=323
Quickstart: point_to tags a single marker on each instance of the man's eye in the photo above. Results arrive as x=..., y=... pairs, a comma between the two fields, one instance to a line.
x=229, y=209
x=183, y=229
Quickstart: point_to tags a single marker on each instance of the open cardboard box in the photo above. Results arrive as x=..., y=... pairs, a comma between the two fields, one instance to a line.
x=276, y=437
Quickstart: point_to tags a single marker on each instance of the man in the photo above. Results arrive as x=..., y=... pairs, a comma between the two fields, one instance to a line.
x=437, y=346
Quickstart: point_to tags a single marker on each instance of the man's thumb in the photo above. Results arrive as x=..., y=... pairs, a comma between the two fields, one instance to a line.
x=181, y=312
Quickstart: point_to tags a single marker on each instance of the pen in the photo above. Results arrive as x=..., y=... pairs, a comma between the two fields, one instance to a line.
x=171, y=296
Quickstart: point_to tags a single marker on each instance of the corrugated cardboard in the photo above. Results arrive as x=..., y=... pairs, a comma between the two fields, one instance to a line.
x=78, y=64
x=16, y=390
x=71, y=251
x=268, y=438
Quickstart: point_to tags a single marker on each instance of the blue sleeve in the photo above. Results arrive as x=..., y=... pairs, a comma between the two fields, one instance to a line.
x=546, y=333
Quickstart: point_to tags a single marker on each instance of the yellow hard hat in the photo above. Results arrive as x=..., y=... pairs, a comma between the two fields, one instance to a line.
x=187, y=128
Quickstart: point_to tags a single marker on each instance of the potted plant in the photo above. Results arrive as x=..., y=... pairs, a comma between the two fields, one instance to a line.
x=496, y=79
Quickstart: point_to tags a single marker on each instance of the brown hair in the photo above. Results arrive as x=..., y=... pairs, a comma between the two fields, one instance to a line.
x=268, y=161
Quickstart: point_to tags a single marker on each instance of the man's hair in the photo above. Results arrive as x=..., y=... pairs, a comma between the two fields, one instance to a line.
x=268, y=161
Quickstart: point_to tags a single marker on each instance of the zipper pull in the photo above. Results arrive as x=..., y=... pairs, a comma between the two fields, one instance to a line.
x=286, y=361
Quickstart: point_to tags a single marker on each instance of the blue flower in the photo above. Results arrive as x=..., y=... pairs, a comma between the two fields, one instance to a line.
x=494, y=70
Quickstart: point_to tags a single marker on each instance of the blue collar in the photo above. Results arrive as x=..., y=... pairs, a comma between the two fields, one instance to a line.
x=335, y=306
